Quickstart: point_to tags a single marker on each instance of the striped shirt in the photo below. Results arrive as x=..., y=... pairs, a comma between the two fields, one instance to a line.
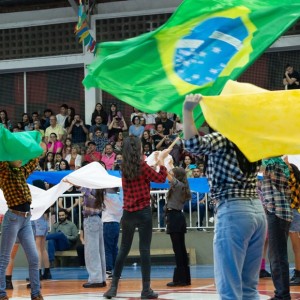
x=276, y=192
x=13, y=182
x=225, y=178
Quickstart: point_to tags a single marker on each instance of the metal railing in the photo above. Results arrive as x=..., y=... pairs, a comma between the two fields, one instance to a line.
x=158, y=198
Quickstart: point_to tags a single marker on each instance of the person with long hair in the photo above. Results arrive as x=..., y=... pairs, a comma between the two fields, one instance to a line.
x=5, y=120
x=178, y=194
x=99, y=111
x=48, y=164
x=74, y=158
x=94, y=254
x=136, y=178
x=63, y=165
x=188, y=160
x=146, y=137
x=240, y=218
x=116, y=122
x=70, y=117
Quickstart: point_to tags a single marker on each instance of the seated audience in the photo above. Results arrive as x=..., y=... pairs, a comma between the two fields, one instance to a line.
x=74, y=159
x=63, y=235
x=92, y=154
x=54, y=145
x=108, y=157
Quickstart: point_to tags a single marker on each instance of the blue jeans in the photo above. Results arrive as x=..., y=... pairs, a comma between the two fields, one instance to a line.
x=142, y=220
x=94, y=253
x=161, y=206
x=278, y=230
x=14, y=226
x=111, y=231
x=238, y=246
x=56, y=242
x=186, y=208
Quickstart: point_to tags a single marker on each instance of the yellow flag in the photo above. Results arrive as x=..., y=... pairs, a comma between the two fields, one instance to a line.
x=261, y=123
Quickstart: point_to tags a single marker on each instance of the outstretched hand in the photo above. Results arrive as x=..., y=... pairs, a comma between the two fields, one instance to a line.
x=191, y=101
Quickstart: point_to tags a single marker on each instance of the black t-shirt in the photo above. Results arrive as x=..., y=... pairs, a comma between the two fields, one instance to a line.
x=295, y=85
x=168, y=124
x=69, y=199
x=156, y=139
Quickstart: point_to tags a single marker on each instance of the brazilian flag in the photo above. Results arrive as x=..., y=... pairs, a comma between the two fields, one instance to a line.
x=201, y=46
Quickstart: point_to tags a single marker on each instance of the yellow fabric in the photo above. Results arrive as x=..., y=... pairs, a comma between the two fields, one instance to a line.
x=261, y=123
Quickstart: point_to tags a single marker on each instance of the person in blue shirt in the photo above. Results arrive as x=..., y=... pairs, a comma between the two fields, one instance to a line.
x=198, y=199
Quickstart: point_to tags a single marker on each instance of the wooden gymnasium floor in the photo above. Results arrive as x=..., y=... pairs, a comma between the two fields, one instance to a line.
x=67, y=284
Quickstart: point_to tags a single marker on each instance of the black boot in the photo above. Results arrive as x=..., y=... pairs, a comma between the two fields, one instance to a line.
x=9, y=285
x=47, y=274
x=181, y=277
x=188, y=275
x=176, y=278
x=112, y=292
x=295, y=280
x=40, y=274
x=147, y=292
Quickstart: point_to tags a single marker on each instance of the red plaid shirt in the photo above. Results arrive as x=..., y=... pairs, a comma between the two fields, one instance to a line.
x=137, y=191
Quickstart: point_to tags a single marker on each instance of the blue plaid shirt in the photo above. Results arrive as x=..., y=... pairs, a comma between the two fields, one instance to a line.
x=225, y=178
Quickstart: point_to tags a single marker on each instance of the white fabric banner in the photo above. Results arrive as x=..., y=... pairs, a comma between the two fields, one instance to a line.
x=92, y=176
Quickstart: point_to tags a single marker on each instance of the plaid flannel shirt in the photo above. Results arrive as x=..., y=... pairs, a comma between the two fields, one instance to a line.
x=276, y=193
x=13, y=182
x=225, y=178
x=137, y=191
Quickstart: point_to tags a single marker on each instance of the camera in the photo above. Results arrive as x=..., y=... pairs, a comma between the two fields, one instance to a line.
x=119, y=161
x=118, y=119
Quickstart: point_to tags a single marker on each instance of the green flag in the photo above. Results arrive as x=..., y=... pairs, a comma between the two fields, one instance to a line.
x=201, y=46
x=19, y=145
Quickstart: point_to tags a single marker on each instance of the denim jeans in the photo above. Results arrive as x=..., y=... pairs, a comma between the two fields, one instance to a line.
x=141, y=219
x=186, y=208
x=278, y=230
x=94, y=253
x=111, y=231
x=57, y=241
x=14, y=226
x=238, y=246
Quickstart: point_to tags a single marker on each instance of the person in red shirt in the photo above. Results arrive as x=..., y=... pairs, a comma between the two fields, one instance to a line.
x=136, y=178
x=91, y=153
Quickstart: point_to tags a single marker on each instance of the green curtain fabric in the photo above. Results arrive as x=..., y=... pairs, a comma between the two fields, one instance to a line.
x=19, y=145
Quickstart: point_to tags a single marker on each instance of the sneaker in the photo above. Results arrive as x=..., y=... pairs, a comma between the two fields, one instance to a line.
x=264, y=274
x=38, y=297
x=109, y=275
x=94, y=284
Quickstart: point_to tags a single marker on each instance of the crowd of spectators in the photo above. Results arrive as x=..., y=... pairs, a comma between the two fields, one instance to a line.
x=70, y=141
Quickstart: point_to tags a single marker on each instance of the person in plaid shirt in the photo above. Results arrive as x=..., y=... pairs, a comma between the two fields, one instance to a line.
x=294, y=232
x=136, y=178
x=240, y=219
x=276, y=201
x=16, y=222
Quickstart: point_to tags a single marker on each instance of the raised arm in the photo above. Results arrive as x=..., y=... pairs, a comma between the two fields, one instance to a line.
x=189, y=128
